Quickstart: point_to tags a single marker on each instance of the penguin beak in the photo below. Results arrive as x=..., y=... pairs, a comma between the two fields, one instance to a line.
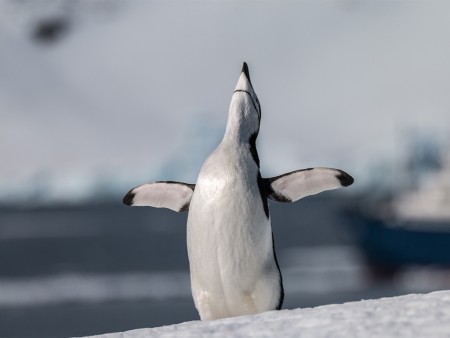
x=245, y=85
x=245, y=71
x=244, y=82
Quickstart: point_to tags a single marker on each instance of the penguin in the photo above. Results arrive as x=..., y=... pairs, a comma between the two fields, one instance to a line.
x=233, y=266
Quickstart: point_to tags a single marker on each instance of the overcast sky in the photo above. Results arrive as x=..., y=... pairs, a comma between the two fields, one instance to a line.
x=141, y=91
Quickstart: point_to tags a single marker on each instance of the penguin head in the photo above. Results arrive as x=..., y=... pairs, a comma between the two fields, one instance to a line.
x=245, y=111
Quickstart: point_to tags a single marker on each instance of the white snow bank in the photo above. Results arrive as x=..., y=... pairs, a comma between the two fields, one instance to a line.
x=406, y=316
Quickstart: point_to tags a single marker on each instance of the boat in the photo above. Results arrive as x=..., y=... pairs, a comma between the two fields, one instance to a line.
x=411, y=229
x=390, y=244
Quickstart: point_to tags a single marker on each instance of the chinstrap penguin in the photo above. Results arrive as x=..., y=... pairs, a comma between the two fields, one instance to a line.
x=233, y=265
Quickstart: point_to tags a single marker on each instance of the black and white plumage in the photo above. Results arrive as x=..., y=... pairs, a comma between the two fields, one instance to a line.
x=234, y=270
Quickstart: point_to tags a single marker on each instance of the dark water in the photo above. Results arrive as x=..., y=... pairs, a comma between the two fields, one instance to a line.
x=39, y=246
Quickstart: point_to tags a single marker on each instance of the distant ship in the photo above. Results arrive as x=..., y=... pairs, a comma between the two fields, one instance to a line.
x=412, y=229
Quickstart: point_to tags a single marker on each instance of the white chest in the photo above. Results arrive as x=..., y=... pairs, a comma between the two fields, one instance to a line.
x=228, y=230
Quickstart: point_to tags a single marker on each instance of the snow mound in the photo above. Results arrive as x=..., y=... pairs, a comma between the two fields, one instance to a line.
x=405, y=316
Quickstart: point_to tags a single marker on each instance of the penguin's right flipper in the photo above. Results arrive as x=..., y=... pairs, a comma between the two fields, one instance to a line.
x=165, y=194
x=295, y=185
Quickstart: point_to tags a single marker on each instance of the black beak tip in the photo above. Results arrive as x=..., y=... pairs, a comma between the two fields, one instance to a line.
x=245, y=71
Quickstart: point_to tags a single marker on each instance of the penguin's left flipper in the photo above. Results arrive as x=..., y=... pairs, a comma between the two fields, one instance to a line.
x=295, y=185
x=164, y=194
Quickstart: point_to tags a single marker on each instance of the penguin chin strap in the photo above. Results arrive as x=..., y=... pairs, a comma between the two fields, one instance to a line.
x=258, y=109
x=289, y=187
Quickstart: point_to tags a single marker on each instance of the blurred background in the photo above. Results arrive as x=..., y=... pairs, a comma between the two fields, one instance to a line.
x=99, y=96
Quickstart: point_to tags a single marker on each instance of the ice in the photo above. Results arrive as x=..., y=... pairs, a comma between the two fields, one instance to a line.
x=414, y=315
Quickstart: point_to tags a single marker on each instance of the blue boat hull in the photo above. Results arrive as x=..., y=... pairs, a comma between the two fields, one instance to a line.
x=394, y=244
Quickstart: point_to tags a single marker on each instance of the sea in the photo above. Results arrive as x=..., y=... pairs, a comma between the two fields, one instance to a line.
x=78, y=270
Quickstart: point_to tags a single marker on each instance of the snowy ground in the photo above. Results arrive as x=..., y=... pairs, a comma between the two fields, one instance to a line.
x=406, y=316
